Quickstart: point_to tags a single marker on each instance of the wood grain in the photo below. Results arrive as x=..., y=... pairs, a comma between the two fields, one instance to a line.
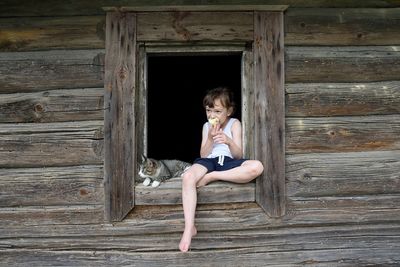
x=41, y=70
x=53, y=106
x=51, y=144
x=342, y=99
x=342, y=134
x=119, y=117
x=170, y=193
x=269, y=111
x=52, y=186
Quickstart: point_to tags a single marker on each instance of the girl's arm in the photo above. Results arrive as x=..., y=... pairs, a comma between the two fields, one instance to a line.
x=235, y=144
x=206, y=142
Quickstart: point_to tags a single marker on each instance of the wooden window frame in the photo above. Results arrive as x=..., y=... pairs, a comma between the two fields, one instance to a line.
x=263, y=109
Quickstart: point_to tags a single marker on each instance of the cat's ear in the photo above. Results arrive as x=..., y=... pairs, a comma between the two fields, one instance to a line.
x=143, y=158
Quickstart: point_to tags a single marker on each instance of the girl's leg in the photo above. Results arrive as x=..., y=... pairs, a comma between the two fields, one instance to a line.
x=246, y=172
x=189, y=201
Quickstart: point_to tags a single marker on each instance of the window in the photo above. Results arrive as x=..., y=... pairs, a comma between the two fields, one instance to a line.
x=132, y=37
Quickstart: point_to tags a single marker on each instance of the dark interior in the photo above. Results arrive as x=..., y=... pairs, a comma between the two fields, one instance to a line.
x=176, y=87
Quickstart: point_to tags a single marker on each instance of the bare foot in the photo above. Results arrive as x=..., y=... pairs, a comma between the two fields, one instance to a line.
x=186, y=239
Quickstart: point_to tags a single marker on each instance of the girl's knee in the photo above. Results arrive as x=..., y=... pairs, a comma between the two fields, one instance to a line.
x=188, y=179
x=256, y=168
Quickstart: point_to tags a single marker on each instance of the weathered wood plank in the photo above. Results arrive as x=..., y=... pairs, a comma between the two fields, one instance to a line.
x=317, y=26
x=342, y=64
x=159, y=220
x=41, y=70
x=119, y=117
x=50, y=186
x=269, y=111
x=337, y=26
x=338, y=99
x=196, y=8
x=359, y=174
x=83, y=68
x=314, y=99
x=44, y=8
x=53, y=106
x=375, y=256
x=170, y=192
x=271, y=240
x=51, y=144
x=195, y=26
x=342, y=134
x=47, y=217
x=34, y=33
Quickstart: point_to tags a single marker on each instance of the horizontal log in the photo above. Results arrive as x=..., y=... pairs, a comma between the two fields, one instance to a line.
x=270, y=240
x=48, y=217
x=44, y=8
x=152, y=220
x=53, y=106
x=196, y=26
x=336, y=26
x=342, y=134
x=170, y=192
x=34, y=33
x=84, y=68
x=316, y=26
x=363, y=174
x=314, y=99
x=51, y=144
x=37, y=145
x=242, y=257
x=341, y=99
x=38, y=71
x=342, y=64
x=52, y=186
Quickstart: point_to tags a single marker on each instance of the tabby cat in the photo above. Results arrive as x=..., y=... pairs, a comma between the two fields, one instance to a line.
x=156, y=171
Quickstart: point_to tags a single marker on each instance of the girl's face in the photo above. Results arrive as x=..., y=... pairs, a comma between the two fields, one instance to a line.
x=218, y=111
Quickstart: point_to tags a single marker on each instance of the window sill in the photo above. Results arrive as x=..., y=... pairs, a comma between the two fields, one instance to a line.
x=170, y=191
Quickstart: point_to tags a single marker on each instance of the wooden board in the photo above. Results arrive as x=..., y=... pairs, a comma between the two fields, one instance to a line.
x=84, y=68
x=338, y=26
x=119, y=117
x=41, y=70
x=342, y=134
x=197, y=26
x=302, y=100
x=342, y=64
x=316, y=26
x=269, y=111
x=52, y=186
x=335, y=175
x=45, y=7
x=51, y=144
x=53, y=106
x=342, y=99
x=170, y=193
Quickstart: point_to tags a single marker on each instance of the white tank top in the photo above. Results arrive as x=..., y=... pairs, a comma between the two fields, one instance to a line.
x=222, y=149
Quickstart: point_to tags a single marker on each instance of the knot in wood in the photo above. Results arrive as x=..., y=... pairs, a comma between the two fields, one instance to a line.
x=122, y=73
x=38, y=107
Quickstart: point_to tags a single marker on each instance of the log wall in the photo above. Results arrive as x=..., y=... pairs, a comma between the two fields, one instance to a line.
x=342, y=67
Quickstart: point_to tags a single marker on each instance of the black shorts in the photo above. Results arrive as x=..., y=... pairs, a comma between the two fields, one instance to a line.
x=215, y=164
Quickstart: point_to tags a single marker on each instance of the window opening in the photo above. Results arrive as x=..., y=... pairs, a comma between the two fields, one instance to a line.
x=176, y=87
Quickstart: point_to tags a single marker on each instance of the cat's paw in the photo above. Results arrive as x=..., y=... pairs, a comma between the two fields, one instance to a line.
x=155, y=183
x=147, y=182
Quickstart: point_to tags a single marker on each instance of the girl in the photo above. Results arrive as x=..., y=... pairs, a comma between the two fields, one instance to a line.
x=221, y=157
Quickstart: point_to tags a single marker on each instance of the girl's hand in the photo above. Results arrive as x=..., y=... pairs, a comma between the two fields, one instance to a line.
x=213, y=131
x=221, y=138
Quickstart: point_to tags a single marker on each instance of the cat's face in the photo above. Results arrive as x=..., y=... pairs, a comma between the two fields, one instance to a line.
x=148, y=167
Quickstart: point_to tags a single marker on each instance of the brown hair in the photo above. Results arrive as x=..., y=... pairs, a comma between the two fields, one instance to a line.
x=223, y=94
